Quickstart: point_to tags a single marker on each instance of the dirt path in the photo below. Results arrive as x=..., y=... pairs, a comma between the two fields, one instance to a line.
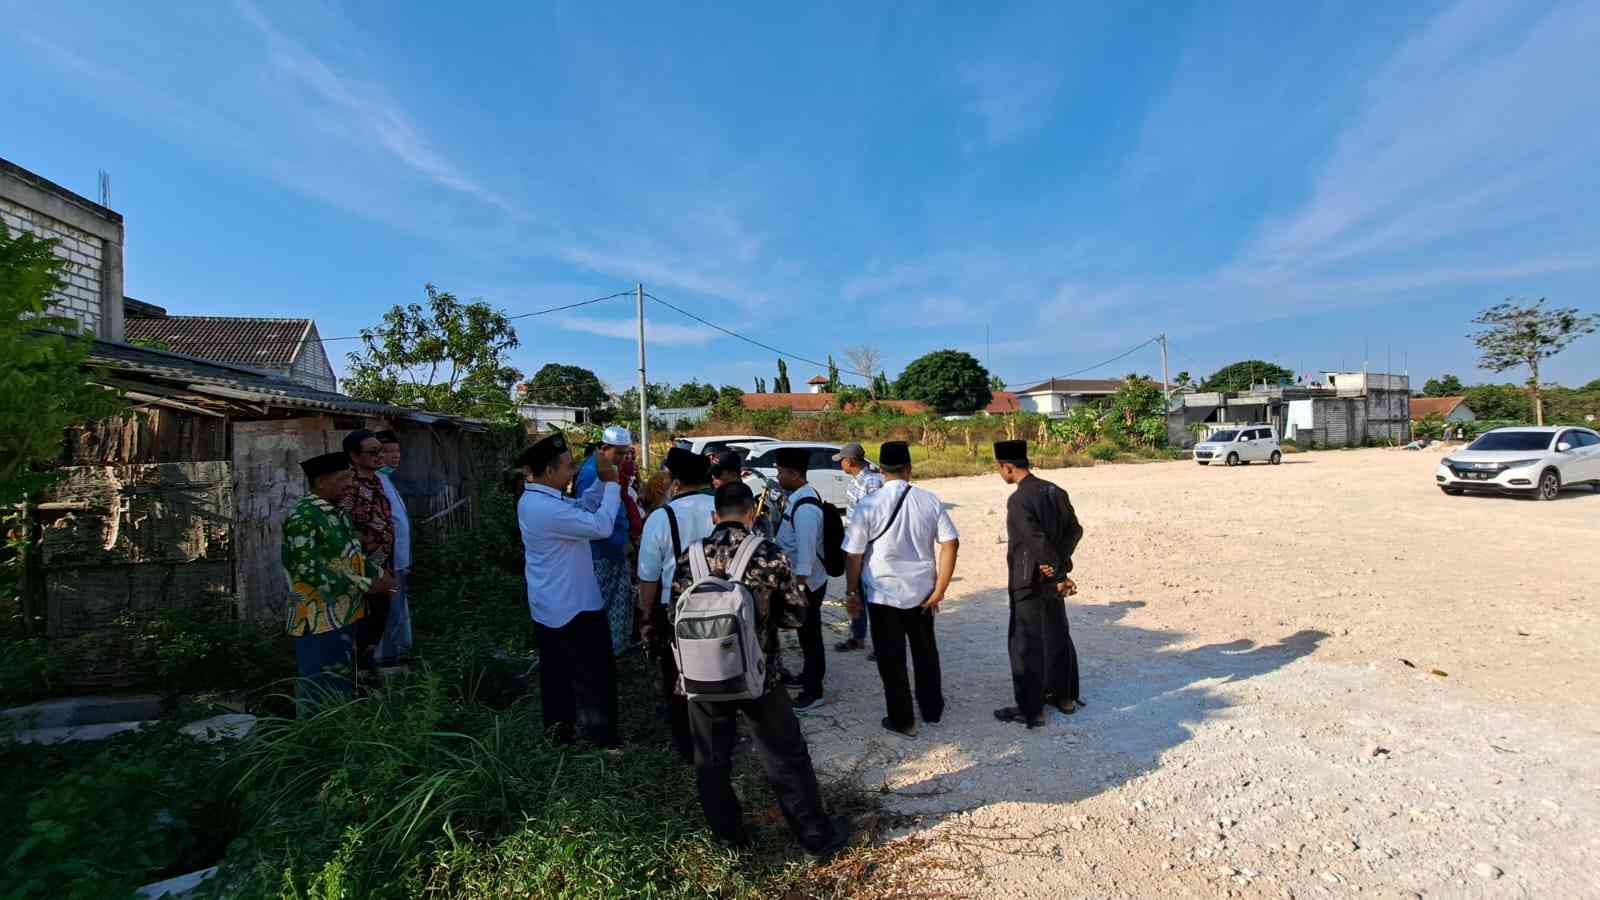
x=1253, y=730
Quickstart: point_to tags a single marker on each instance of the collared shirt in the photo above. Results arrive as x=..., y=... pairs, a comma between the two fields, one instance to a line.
x=902, y=566
x=328, y=573
x=860, y=486
x=613, y=545
x=556, y=532
x=768, y=577
x=368, y=507
x=402, y=524
x=657, y=560
x=800, y=536
x=1042, y=529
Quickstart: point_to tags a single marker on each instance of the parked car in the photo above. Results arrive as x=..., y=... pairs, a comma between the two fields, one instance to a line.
x=830, y=480
x=1534, y=462
x=716, y=443
x=1235, y=446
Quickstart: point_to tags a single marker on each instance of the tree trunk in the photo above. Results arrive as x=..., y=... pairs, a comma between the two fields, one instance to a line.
x=1533, y=389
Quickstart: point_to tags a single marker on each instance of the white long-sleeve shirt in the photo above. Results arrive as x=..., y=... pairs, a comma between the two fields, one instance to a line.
x=402, y=525
x=657, y=562
x=800, y=538
x=556, y=532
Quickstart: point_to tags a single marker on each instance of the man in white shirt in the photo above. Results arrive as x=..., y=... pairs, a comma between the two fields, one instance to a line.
x=577, y=671
x=674, y=526
x=800, y=538
x=396, y=642
x=900, y=554
x=852, y=458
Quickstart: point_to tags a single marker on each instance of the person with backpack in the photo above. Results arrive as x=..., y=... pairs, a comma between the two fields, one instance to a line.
x=900, y=556
x=669, y=530
x=731, y=592
x=801, y=537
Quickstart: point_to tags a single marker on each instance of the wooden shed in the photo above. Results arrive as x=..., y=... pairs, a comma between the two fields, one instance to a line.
x=182, y=500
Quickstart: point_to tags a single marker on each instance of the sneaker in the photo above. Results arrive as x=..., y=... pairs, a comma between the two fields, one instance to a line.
x=807, y=701
x=903, y=732
x=848, y=646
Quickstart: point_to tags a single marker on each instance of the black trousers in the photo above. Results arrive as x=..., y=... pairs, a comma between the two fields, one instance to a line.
x=677, y=707
x=370, y=628
x=892, y=630
x=1043, y=660
x=782, y=746
x=578, y=679
x=816, y=664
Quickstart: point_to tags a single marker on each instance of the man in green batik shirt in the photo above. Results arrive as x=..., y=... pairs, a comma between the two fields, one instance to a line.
x=329, y=576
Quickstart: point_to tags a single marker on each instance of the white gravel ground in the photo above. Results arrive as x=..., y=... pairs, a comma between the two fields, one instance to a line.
x=1320, y=679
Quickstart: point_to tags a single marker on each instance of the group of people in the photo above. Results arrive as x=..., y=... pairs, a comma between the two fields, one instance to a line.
x=600, y=568
x=900, y=550
x=347, y=554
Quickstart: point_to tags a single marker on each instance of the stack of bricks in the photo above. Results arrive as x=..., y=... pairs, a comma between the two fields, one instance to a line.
x=80, y=296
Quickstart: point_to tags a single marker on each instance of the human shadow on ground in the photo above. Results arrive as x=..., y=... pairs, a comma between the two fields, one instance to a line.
x=1144, y=696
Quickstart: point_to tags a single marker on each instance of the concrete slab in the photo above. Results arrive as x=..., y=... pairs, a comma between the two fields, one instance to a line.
x=67, y=712
x=182, y=886
x=229, y=725
x=97, y=732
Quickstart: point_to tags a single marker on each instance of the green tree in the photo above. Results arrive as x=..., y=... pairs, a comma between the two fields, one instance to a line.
x=832, y=387
x=449, y=358
x=948, y=381
x=1181, y=379
x=1513, y=336
x=883, y=388
x=42, y=376
x=761, y=385
x=561, y=385
x=864, y=359
x=996, y=383
x=691, y=393
x=1443, y=386
x=1498, y=402
x=780, y=385
x=1137, y=409
x=1240, y=376
x=627, y=402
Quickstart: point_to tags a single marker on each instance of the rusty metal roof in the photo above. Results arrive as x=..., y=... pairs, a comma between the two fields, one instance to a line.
x=226, y=339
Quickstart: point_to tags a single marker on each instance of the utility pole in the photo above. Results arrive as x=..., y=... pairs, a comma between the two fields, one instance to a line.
x=644, y=392
x=1165, y=389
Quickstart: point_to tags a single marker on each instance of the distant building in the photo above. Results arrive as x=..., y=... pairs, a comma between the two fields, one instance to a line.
x=1344, y=409
x=89, y=238
x=288, y=347
x=541, y=416
x=1001, y=403
x=815, y=404
x=1057, y=395
x=818, y=384
x=1450, y=409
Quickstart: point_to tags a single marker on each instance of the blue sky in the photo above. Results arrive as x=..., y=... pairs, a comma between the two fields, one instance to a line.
x=1290, y=182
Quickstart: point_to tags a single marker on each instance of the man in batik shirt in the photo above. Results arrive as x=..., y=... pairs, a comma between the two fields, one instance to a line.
x=368, y=507
x=329, y=575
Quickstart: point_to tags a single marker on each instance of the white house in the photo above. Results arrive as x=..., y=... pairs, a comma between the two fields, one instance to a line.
x=1058, y=395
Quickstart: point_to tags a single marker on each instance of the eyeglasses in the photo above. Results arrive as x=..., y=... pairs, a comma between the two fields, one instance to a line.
x=372, y=452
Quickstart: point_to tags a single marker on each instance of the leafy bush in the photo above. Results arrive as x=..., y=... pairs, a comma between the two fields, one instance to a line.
x=1104, y=451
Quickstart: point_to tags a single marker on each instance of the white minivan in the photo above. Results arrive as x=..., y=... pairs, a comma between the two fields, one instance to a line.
x=1234, y=446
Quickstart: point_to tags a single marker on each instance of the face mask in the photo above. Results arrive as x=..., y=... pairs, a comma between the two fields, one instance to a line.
x=386, y=470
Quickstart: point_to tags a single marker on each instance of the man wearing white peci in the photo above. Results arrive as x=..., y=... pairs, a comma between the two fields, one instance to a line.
x=900, y=554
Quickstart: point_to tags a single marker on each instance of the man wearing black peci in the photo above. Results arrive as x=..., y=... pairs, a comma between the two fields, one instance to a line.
x=1042, y=532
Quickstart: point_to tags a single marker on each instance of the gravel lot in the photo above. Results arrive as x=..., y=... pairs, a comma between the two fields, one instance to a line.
x=1320, y=679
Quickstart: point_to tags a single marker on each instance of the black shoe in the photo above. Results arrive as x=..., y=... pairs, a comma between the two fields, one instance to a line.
x=848, y=646
x=792, y=681
x=1012, y=714
x=903, y=732
x=842, y=833
x=1067, y=708
x=807, y=701
x=872, y=656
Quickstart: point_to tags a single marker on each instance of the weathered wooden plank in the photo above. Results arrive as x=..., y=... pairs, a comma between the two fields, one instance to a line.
x=103, y=599
x=167, y=512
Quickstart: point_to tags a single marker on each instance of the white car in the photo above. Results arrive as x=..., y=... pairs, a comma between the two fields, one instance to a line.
x=830, y=480
x=1536, y=462
x=1236, y=446
x=716, y=443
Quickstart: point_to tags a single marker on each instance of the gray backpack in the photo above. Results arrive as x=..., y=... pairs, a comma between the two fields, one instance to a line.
x=714, y=635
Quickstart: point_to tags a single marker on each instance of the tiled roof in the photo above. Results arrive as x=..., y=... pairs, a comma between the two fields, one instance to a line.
x=1423, y=407
x=227, y=339
x=817, y=379
x=1002, y=402
x=1075, y=386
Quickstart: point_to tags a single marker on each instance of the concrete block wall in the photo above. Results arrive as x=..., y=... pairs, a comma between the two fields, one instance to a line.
x=89, y=238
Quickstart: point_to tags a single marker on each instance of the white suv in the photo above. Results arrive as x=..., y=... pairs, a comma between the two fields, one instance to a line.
x=826, y=475
x=1234, y=446
x=1535, y=462
x=712, y=444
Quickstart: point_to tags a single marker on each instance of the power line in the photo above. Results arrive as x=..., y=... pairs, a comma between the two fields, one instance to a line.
x=750, y=340
x=1122, y=355
x=391, y=333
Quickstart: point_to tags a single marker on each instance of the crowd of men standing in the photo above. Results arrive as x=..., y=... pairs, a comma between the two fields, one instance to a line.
x=601, y=570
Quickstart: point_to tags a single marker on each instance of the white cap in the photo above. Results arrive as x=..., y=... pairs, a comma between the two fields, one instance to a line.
x=616, y=436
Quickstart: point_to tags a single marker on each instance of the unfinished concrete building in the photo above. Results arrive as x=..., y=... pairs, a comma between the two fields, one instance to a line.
x=1345, y=409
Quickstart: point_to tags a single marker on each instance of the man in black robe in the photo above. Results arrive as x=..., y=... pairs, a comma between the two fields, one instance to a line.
x=1042, y=532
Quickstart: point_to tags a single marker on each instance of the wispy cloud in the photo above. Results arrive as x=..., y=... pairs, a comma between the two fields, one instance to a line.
x=1012, y=96
x=362, y=112
x=628, y=329
x=655, y=268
